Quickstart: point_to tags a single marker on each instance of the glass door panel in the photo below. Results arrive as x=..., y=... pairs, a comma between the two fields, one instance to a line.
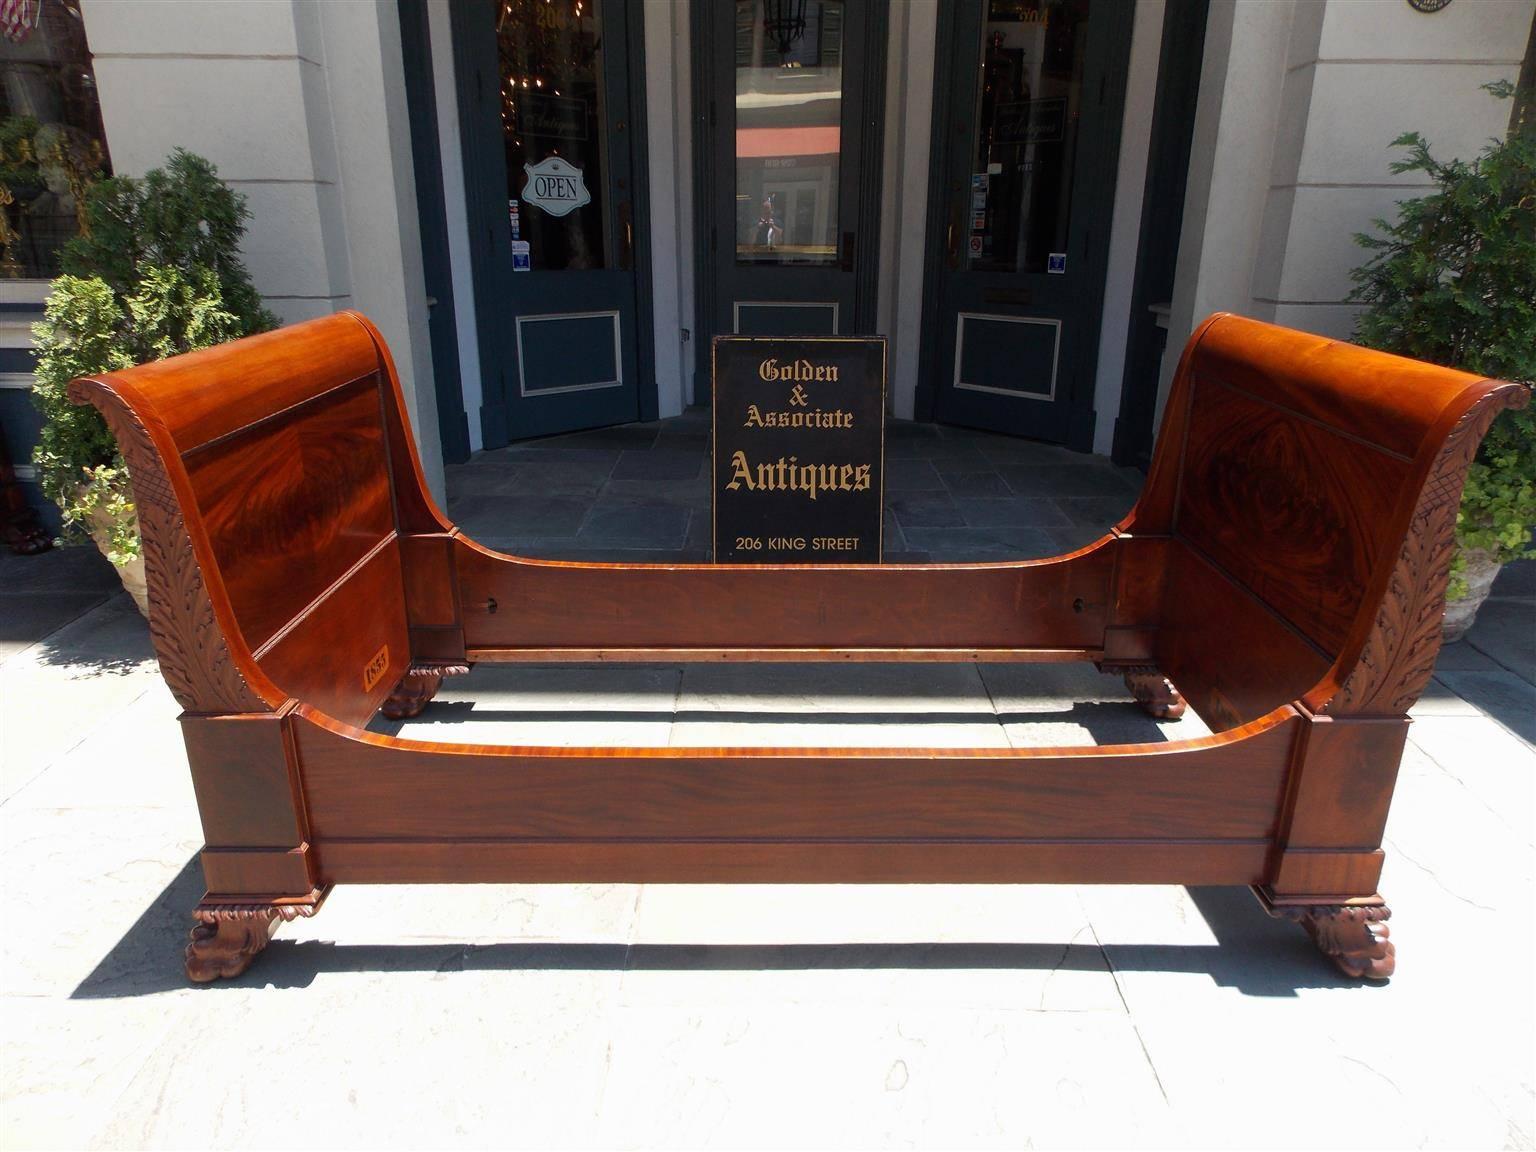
x=787, y=192
x=1027, y=112
x=1029, y=159
x=789, y=102
x=544, y=89
x=552, y=112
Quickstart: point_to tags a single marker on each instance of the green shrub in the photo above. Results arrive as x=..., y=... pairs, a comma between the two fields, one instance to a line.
x=158, y=274
x=1453, y=282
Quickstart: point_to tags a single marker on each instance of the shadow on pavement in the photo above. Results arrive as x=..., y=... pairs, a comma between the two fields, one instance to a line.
x=1253, y=954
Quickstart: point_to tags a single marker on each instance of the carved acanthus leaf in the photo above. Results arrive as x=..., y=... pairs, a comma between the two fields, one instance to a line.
x=1400, y=652
x=194, y=654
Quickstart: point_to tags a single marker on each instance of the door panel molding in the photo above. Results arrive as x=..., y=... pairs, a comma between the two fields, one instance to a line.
x=738, y=305
x=611, y=315
x=1015, y=393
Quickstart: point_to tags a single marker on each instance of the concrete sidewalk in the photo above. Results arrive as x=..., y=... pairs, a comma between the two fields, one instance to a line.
x=681, y=1016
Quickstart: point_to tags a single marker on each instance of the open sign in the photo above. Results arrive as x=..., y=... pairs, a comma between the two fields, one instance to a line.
x=555, y=185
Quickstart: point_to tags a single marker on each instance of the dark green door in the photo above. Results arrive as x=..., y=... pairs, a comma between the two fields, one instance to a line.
x=549, y=139
x=1031, y=136
x=791, y=184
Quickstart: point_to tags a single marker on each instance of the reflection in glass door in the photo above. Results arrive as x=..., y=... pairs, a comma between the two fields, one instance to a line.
x=1034, y=104
x=789, y=98
x=790, y=148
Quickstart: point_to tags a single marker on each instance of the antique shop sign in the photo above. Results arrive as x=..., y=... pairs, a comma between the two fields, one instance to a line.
x=799, y=449
x=556, y=186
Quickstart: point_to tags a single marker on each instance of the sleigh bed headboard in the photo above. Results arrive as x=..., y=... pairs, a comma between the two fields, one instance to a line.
x=1308, y=488
x=275, y=453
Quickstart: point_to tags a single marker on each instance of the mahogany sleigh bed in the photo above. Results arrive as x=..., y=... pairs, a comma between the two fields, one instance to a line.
x=1284, y=568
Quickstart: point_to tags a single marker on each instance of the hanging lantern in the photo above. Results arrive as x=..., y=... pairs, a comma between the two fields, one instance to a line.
x=784, y=21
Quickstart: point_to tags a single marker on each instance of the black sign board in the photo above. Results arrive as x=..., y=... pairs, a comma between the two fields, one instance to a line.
x=799, y=449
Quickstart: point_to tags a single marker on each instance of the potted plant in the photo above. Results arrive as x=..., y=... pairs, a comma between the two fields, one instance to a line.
x=1453, y=282
x=156, y=273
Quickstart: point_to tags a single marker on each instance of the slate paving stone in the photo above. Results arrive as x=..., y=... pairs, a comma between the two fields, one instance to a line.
x=73, y=568
x=618, y=436
x=1049, y=480
x=559, y=478
x=998, y=543
x=1504, y=630
x=1009, y=451
x=539, y=452
x=987, y=483
x=499, y=516
x=1517, y=579
x=904, y=430
x=1033, y=511
x=658, y=465
x=1096, y=511
x=911, y=474
x=480, y=479
x=653, y=525
x=925, y=511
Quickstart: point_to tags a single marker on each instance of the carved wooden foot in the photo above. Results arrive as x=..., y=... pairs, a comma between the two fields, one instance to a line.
x=1155, y=693
x=1354, y=936
x=416, y=689
x=225, y=948
x=228, y=937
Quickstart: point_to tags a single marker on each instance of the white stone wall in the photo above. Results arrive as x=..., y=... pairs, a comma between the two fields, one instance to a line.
x=301, y=105
x=1359, y=73
x=1299, y=102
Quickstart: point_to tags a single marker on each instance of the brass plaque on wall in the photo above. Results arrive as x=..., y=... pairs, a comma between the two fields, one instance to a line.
x=798, y=467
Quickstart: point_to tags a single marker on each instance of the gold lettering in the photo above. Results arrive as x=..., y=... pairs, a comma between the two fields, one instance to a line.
x=754, y=417
x=787, y=474
x=740, y=473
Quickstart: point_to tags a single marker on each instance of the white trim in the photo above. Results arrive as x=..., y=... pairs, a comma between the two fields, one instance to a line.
x=670, y=212
x=16, y=329
x=832, y=304
x=18, y=381
x=456, y=212
x=1125, y=218
x=962, y=317
x=25, y=292
x=23, y=471
x=910, y=65
x=618, y=355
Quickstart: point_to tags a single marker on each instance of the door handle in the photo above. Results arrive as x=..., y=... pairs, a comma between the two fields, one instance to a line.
x=627, y=240
x=952, y=240
x=850, y=250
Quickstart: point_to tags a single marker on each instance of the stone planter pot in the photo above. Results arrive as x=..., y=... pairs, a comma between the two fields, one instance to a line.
x=1481, y=571
x=99, y=525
